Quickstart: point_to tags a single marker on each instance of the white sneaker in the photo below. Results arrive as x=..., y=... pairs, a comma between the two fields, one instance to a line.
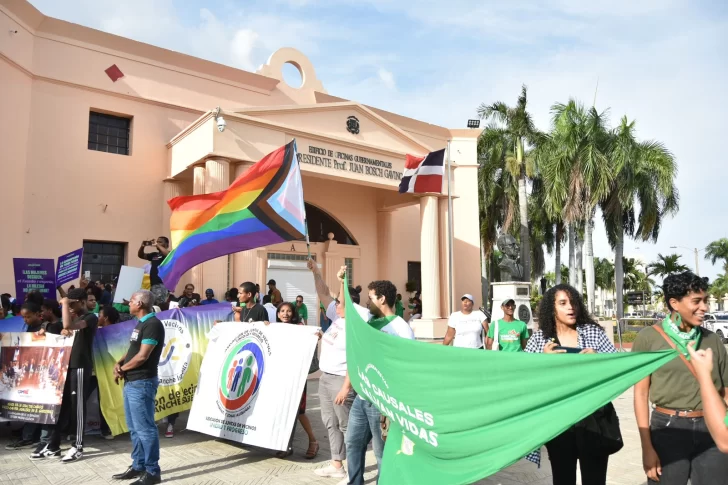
x=73, y=454
x=331, y=472
x=170, y=431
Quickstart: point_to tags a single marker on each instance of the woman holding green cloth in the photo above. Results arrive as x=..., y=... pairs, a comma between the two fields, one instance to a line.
x=676, y=443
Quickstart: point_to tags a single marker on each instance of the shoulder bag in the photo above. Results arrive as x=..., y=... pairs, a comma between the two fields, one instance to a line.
x=672, y=344
x=314, y=361
x=496, y=344
x=599, y=434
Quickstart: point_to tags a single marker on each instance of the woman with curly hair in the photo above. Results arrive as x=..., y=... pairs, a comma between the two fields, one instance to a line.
x=287, y=314
x=676, y=443
x=565, y=323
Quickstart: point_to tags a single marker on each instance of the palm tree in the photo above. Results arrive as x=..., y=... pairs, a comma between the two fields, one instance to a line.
x=574, y=161
x=666, y=265
x=507, y=140
x=718, y=250
x=644, y=172
x=604, y=275
x=719, y=287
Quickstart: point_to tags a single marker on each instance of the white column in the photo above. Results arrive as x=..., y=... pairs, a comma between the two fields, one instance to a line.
x=194, y=276
x=215, y=272
x=430, y=257
x=384, y=244
x=172, y=189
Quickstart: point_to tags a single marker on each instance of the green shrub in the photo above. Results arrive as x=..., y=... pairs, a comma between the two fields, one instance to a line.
x=626, y=337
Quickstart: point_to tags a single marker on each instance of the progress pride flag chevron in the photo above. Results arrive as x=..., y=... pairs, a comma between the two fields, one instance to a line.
x=423, y=174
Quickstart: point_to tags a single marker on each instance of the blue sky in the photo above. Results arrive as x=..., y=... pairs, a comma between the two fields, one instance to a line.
x=661, y=62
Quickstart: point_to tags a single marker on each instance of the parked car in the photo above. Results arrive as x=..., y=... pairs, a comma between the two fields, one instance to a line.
x=633, y=315
x=717, y=325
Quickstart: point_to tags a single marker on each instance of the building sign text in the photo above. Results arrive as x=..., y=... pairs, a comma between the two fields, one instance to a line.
x=346, y=161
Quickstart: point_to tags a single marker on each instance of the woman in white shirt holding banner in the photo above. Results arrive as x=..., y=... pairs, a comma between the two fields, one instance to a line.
x=466, y=327
x=335, y=391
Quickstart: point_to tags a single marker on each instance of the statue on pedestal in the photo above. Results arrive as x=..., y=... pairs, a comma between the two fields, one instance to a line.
x=510, y=268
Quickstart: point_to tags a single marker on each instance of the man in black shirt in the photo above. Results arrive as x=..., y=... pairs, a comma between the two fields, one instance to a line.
x=139, y=369
x=162, y=244
x=248, y=311
x=78, y=378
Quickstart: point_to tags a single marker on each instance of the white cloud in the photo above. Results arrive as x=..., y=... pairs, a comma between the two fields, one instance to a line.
x=387, y=78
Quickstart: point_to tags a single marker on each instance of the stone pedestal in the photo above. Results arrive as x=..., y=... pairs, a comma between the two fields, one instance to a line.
x=713, y=303
x=429, y=328
x=520, y=291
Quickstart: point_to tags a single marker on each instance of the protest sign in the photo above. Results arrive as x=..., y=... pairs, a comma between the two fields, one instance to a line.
x=33, y=373
x=34, y=274
x=185, y=342
x=458, y=415
x=251, y=382
x=69, y=267
x=130, y=281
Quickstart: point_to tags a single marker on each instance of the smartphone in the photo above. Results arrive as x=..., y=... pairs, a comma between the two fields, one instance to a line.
x=569, y=350
x=147, y=243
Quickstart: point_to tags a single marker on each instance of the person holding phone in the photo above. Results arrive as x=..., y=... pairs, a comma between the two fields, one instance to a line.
x=162, y=250
x=565, y=326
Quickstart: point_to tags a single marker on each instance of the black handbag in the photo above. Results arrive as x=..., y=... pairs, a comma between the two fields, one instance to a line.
x=599, y=433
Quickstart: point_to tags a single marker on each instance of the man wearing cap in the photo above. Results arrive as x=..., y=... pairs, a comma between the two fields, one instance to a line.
x=209, y=298
x=274, y=293
x=465, y=328
x=512, y=334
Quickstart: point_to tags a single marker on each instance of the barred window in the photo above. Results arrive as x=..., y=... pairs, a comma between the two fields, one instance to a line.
x=108, y=133
x=349, y=262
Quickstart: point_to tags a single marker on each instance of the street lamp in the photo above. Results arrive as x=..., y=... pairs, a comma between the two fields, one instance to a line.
x=696, y=251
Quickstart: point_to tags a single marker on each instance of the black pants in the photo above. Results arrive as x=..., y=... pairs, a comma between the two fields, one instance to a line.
x=687, y=451
x=73, y=407
x=564, y=453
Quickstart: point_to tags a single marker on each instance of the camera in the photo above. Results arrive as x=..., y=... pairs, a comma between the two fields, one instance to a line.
x=221, y=124
x=151, y=242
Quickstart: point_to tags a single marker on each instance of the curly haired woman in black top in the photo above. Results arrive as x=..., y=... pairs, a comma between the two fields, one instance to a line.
x=564, y=322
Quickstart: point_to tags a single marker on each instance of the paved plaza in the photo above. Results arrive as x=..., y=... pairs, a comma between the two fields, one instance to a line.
x=192, y=458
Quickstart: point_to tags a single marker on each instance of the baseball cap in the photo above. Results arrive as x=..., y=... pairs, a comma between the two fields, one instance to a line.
x=271, y=282
x=507, y=301
x=468, y=296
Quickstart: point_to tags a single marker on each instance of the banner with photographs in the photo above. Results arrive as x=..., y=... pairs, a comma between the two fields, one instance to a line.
x=32, y=375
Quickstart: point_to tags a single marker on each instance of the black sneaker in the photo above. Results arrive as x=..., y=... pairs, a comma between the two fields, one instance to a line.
x=20, y=445
x=42, y=452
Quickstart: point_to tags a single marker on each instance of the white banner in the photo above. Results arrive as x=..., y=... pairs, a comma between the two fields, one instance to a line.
x=251, y=382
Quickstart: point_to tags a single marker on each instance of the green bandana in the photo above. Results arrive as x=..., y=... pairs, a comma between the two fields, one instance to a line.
x=380, y=323
x=681, y=338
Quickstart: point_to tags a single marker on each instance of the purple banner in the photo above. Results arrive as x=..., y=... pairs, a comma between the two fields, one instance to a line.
x=69, y=267
x=34, y=274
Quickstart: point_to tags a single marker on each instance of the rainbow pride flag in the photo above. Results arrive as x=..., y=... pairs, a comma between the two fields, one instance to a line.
x=261, y=207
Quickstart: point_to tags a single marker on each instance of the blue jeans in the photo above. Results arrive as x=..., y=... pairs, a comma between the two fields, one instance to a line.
x=364, y=425
x=139, y=410
x=30, y=432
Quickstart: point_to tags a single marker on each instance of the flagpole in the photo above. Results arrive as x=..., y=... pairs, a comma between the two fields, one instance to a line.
x=449, y=231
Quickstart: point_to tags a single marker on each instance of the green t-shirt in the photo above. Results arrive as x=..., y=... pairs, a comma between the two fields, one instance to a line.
x=121, y=308
x=302, y=311
x=399, y=308
x=673, y=386
x=509, y=335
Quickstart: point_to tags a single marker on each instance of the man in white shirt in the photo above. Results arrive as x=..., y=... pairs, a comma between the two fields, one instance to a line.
x=365, y=421
x=270, y=308
x=466, y=327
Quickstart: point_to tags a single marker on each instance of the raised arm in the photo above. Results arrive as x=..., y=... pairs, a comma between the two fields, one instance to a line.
x=68, y=323
x=140, y=253
x=322, y=289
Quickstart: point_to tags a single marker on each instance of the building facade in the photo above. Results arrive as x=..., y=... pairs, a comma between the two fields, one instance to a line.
x=99, y=131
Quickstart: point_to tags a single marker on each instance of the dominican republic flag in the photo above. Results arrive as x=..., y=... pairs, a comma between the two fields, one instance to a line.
x=423, y=174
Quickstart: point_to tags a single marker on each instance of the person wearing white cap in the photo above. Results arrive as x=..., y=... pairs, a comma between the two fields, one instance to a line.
x=508, y=334
x=466, y=327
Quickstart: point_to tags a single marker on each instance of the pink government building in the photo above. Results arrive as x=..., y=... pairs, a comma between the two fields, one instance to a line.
x=99, y=131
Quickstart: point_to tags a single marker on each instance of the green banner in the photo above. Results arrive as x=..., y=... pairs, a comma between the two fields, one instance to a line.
x=459, y=415
x=185, y=343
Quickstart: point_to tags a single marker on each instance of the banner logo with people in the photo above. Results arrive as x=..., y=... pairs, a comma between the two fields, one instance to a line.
x=242, y=373
x=32, y=375
x=185, y=343
x=251, y=382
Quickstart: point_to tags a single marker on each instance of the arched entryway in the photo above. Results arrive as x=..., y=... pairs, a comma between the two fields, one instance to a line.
x=320, y=224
